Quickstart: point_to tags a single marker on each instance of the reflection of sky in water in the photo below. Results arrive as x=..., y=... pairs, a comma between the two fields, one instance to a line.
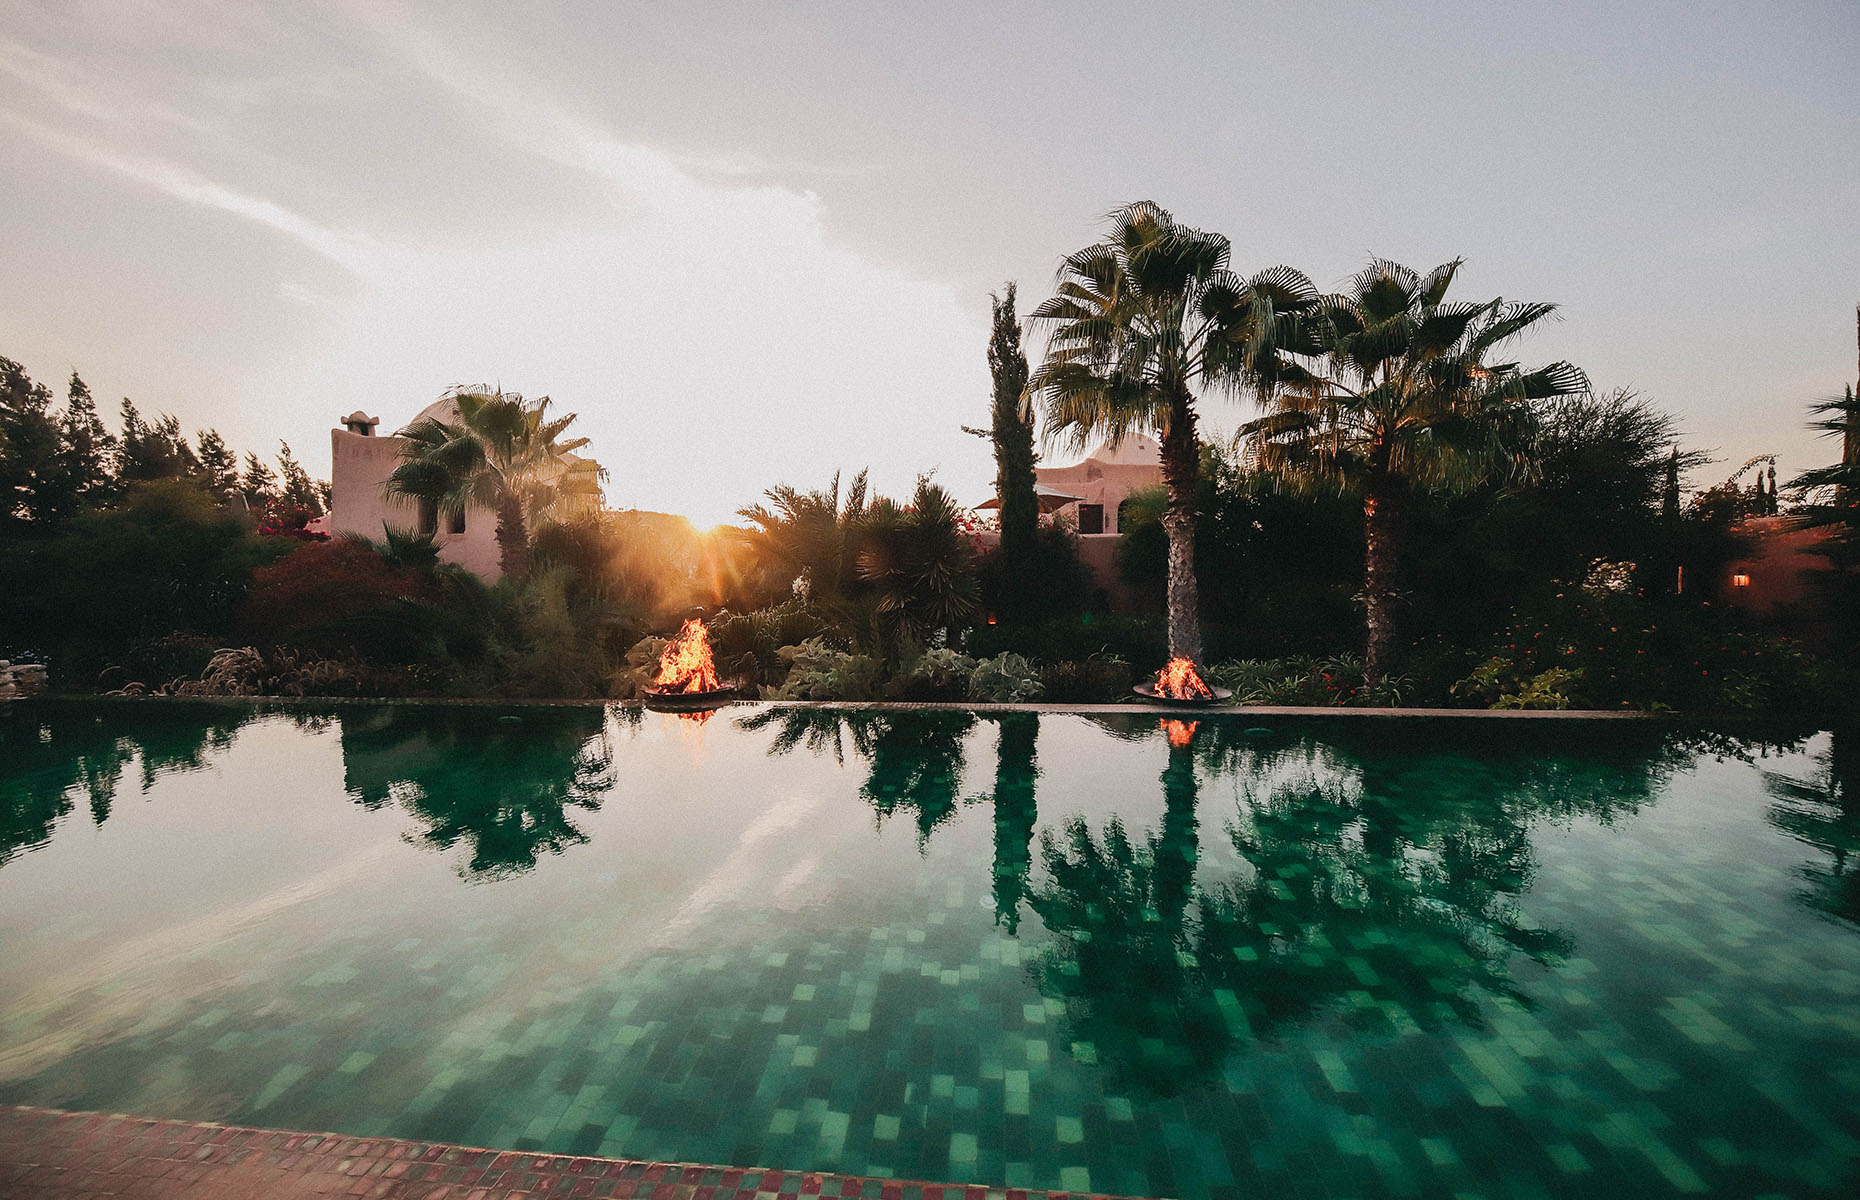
x=1056, y=951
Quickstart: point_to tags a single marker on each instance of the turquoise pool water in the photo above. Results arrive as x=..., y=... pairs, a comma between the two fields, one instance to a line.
x=1350, y=958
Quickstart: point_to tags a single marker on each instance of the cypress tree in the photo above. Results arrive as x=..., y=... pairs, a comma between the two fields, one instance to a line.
x=1012, y=433
x=1669, y=494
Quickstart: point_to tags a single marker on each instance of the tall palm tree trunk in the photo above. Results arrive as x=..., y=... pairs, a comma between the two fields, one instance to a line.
x=513, y=539
x=1181, y=464
x=1384, y=512
x=1178, y=847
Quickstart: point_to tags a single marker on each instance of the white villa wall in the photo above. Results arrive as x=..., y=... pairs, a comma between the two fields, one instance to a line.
x=359, y=503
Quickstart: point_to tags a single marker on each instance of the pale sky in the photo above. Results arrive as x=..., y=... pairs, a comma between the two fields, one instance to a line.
x=753, y=244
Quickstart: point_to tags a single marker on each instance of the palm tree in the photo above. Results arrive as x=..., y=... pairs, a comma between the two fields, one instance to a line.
x=1141, y=322
x=1838, y=418
x=1386, y=391
x=809, y=540
x=502, y=454
x=918, y=562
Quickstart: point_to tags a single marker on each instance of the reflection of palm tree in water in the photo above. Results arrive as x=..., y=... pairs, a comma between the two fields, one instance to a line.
x=471, y=776
x=1823, y=810
x=1123, y=960
x=916, y=757
x=916, y=764
x=917, y=761
x=1345, y=897
x=819, y=729
x=52, y=747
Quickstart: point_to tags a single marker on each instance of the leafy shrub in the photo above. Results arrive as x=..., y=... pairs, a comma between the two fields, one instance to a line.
x=642, y=663
x=168, y=560
x=1094, y=679
x=1006, y=678
x=331, y=596
x=938, y=674
x=1075, y=637
x=287, y=671
x=1303, y=680
x=1054, y=581
x=562, y=653
x=821, y=672
x=1619, y=649
x=748, y=645
x=1500, y=685
x=156, y=661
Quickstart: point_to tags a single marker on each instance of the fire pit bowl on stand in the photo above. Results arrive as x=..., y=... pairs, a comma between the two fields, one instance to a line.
x=687, y=680
x=1179, y=683
x=669, y=701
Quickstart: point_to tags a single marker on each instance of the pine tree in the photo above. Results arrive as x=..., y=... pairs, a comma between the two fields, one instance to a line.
x=156, y=450
x=299, y=490
x=219, y=467
x=28, y=447
x=86, y=449
x=258, y=485
x=131, y=454
x=175, y=455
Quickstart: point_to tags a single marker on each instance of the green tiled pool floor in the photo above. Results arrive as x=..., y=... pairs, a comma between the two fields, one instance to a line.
x=1050, y=952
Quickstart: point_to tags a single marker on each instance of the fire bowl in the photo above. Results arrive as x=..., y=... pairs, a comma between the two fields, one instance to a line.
x=1148, y=692
x=689, y=701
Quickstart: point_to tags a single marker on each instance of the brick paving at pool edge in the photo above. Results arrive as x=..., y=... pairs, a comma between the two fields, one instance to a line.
x=46, y=1154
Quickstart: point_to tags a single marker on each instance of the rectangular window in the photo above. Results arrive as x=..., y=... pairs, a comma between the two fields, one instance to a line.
x=429, y=518
x=1091, y=518
x=456, y=522
x=1740, y=580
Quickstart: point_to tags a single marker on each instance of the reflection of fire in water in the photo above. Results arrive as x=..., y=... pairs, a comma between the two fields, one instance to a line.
x=1179, y=733
x=698, y=717
x=686, y=665
x=1178, y=681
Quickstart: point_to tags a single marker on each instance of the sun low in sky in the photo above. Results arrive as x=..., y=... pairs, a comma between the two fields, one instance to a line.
x=753, y=244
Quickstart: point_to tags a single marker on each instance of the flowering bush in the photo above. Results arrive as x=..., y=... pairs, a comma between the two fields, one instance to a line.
x=280, y=521
x=339, y=596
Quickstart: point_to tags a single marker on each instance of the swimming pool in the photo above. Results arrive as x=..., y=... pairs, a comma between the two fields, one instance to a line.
x=1097, y=953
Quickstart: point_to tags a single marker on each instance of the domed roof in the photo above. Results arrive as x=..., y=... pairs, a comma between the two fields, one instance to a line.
x=443, y=409
x=1134, y=450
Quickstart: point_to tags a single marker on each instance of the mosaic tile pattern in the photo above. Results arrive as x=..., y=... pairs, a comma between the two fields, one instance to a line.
x=1054, y=953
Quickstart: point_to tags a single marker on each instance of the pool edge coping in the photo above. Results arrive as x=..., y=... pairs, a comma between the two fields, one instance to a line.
x=1093, y=709
x=220, y=1144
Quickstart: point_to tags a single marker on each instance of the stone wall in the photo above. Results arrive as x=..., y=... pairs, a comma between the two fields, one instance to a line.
x=20, y=679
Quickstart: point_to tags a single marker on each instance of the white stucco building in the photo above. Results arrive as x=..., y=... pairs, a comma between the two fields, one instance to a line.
x=359, y=502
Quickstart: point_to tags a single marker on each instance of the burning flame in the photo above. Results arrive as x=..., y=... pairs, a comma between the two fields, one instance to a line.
x=1179, y=733
x=686, y=665
x=1178, y=681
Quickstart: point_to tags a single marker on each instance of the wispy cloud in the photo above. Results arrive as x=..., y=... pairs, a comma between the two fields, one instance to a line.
x=521, y=114
x=353, y=251
x=79, y=92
